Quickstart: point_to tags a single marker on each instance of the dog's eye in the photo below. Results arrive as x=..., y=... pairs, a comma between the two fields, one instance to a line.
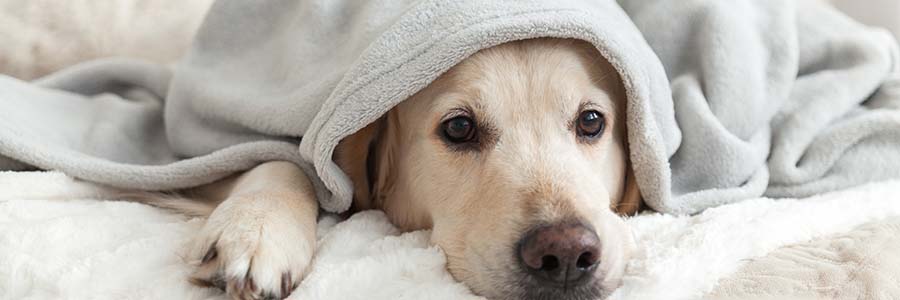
x=590, y=124
x=459, y=130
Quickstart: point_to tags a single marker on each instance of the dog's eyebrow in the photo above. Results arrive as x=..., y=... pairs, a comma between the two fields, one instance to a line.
x=465, y=100
x=602, y=106
x=472, y=108
x=456, y=112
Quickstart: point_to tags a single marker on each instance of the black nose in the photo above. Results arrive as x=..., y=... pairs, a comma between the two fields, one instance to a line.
x=562, y=255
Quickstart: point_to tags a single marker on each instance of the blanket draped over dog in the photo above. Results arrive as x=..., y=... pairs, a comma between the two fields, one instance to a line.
x=727, y=100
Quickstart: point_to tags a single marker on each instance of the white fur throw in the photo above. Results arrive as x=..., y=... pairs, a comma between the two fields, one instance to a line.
x=86, y=249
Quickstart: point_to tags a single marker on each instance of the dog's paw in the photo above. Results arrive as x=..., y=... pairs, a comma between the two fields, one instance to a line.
x=254, y=248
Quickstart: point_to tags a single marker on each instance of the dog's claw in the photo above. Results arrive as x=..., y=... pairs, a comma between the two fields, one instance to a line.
x=242, y=289
x=250, y=289
x=202, y=282
x=210, y=254
x=252, y=285
x=286, y=285
x=234, y=288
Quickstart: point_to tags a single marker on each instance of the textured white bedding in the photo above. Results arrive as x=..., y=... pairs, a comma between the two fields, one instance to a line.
x=860, y=264
x=86, y=249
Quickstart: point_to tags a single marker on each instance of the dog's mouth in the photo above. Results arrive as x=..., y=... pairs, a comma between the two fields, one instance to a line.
x=522, y=286
x=584, y=287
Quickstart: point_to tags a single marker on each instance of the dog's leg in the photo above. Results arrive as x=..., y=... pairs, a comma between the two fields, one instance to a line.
x=259, y=242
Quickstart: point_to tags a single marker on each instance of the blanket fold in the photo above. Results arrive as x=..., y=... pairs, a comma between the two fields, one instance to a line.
x=726, y=100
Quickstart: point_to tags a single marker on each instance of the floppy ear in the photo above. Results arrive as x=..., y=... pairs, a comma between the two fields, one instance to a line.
x=365, y=157
x=631, y=202
x=352, y=156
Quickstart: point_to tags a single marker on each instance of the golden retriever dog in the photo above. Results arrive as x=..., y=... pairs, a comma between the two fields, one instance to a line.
x=516, y=159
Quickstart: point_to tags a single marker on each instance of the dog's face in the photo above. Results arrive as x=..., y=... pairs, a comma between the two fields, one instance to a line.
x=514, y=158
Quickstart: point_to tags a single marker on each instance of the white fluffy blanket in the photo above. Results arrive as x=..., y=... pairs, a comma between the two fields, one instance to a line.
x=87, y=249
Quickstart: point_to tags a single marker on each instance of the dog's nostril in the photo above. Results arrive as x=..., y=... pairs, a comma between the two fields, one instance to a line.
x=549, y=263
x=586, y=260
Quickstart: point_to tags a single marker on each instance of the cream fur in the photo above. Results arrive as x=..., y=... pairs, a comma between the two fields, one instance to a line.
x=532, y=169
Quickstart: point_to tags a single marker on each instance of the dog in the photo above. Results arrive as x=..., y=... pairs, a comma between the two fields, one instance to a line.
x=516, y=159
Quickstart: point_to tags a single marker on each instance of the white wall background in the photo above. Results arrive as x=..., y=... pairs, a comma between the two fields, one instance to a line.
x=882, y=13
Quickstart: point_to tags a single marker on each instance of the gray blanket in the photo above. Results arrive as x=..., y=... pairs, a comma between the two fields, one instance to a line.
x=727, y=100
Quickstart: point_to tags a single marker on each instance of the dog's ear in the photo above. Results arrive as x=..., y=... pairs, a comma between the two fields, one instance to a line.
x=365, y=157
x=352, y=155
x=631, y=202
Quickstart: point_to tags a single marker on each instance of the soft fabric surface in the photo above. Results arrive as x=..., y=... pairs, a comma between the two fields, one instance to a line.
x=782, y=98
x=862, y=264
x=42, y=36
x=77, y=249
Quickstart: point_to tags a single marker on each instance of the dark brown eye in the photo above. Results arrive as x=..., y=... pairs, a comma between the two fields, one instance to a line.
x=590, y=124
x=459, y=130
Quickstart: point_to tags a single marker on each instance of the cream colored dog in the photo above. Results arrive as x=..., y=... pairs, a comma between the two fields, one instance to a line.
x=516, y=159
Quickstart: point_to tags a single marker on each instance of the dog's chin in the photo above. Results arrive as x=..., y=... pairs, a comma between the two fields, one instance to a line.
x=527, y=288
x=586, y=291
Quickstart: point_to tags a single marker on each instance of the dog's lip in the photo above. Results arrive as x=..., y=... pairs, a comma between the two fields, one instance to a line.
x=583, y=279
x=586, y=286
x=592, y=290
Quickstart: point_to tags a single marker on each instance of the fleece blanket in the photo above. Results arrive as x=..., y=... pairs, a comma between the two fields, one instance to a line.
x=88, y=249
x=726, y=100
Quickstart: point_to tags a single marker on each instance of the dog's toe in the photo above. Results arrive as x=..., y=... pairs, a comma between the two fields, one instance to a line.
x=252, y=257
x=258, y=281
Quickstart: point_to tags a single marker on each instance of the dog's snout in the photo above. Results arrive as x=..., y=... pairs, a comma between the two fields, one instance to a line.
x=562, y=254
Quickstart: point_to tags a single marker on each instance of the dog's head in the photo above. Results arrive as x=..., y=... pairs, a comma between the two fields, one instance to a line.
x=517, y=159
